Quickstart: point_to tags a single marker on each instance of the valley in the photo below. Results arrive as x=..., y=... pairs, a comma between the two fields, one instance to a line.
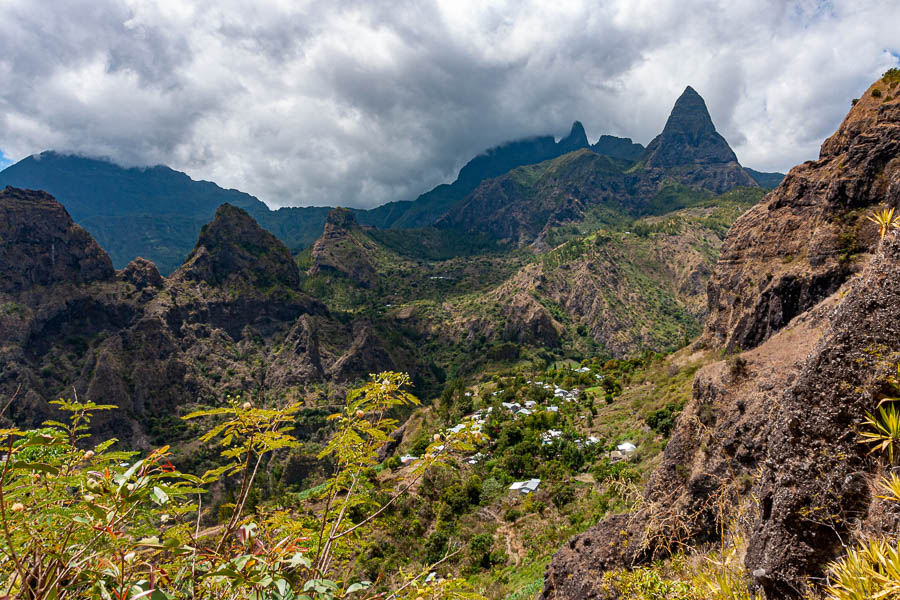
x=637, y=370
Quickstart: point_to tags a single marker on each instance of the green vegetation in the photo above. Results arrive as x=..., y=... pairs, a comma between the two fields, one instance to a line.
x=885, y=219
x=891, y=77
x=871, y=568
x=99, y=523
x=435, y=244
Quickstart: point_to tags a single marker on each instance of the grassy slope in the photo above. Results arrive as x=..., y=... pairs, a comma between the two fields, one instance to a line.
x=528, y=541
x=618, y=288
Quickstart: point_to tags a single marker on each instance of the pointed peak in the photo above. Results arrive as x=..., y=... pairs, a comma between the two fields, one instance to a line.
x=234, y=247
x=577, y=129
x=576, y=139
x=689, y=136
x=343, y=218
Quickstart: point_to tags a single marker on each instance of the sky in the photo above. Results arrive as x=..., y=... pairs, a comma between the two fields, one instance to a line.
x=356, y=103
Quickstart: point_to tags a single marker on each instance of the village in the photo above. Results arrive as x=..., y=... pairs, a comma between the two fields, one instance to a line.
x=552, y=398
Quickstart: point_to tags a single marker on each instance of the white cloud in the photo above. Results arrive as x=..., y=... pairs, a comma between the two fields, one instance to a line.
x=358, y=103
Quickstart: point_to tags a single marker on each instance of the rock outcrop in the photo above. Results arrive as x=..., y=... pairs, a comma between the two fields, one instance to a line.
x=342, y=249
x=807, y=290
x=41, y=246
x=233, y=250
x=810, y=234
x=231, y=319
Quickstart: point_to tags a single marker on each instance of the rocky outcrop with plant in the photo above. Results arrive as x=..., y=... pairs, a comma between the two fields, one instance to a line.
x=767, y=452
x=810, y=234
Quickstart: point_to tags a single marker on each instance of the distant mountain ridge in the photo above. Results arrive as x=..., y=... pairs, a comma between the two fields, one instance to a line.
x=688, y=160
x=153, y=212
x=496, y=161
x=157, y=213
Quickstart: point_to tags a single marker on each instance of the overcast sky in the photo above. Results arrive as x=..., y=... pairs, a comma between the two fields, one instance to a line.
x=356, y=103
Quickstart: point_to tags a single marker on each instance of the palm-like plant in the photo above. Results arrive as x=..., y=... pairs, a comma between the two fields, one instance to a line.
x=884, y=219
x=885, y=430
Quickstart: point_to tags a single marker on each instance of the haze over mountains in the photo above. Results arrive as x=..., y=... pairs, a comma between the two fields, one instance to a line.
x=157, y=213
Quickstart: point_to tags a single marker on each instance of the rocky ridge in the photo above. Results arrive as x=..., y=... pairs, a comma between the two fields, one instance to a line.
x=523, y=206
x=231, y=319
x=779, y=422
x=810, y=234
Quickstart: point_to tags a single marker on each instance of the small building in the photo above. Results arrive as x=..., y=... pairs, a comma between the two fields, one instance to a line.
x=408, y=458
x=475, y=458
x=525, y=487
x=626, y=447
x=457, y=428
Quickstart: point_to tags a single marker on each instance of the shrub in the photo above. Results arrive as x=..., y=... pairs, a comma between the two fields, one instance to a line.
x=663, y=420
x=99, y=523
x=512, y=514
x=562, y=494
x=891, y=76
x=876, y=93
x=737, y=367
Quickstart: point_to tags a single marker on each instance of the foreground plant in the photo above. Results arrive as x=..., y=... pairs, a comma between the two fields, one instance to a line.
x=97, y=523
x=884, y=219
x=884, y=430
x=871, y=569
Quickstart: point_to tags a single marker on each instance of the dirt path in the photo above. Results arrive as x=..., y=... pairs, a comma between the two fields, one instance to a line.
x=514, y=547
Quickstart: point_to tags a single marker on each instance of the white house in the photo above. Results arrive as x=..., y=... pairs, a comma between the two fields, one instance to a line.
x=525, y=487
x=626, y=447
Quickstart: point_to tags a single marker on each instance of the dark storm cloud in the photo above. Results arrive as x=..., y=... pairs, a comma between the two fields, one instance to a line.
x=358, y=103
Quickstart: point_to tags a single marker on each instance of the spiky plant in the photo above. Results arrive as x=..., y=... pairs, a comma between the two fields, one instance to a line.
x=871, y=571
x=884, y=434
x=891, y=486
x=884, y=219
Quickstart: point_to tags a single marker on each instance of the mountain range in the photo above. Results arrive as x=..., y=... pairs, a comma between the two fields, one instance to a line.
x=157, y=213
x=783, y=302
x=579, y=253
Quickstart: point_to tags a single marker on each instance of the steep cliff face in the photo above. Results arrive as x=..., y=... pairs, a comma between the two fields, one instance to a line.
x=769, y=442
x=41, y=246
x=810, y=234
